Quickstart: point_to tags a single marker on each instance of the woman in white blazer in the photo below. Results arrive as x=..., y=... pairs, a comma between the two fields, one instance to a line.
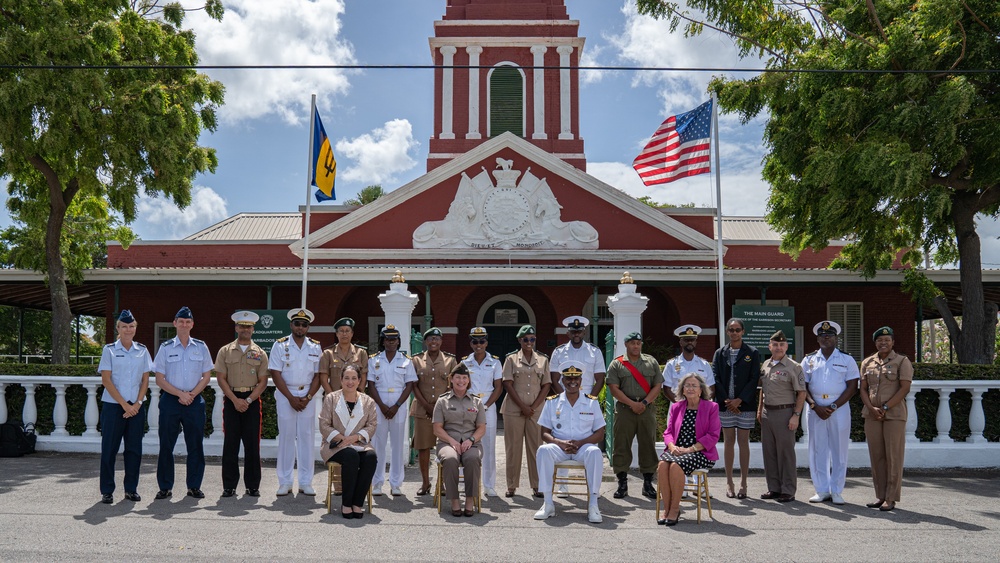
x=347, y=422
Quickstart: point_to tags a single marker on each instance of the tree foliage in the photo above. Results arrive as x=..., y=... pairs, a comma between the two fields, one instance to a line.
x=895, y=162
x=367, y=195
x=80, y=137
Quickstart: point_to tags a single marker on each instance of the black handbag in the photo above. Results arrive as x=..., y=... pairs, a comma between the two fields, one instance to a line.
x=17, y=440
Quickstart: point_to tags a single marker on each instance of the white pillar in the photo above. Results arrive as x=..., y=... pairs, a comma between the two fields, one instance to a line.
x=447, y=92
x=565, y=105
x=474, y=73
x=59, y=413
x=91, y=414
x=627, y=307
x=398, y=304
x=944, y=416
x=977, y=420
x=538, y=82
x=911, y=419
x=29, y=414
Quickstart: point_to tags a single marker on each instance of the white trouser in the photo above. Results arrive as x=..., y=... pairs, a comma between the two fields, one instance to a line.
x=393, y=431
x=490, y=449
x=550, y=454
x=828, y=443
x=585, y=389
x=296, y=440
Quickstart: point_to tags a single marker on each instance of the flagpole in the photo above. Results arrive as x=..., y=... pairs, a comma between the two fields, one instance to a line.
x=718, y=219
x=309, y=178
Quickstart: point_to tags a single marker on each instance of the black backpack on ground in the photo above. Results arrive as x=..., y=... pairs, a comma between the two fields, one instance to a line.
x=17, y=440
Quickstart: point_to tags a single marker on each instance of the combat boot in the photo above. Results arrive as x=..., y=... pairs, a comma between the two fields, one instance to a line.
x=648, y=490
x=622, y=491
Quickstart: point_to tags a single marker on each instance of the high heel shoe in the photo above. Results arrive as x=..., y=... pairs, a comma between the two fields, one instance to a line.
x=742, y=494
x=730, y=491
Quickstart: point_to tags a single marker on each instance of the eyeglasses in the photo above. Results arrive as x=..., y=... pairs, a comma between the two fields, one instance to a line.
x=734, y=330
x=300, y=323
x=477, y=341
x=528, y=339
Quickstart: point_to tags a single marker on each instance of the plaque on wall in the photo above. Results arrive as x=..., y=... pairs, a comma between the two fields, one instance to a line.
x=505, y=316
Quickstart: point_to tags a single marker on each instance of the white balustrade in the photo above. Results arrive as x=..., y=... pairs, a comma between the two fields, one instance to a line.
x=29, y=414
x=217, y=411
x=59, y=413
x=3, y=402
x=911, y=417
x=943, y=416
x=91, y=414
x=153, y=409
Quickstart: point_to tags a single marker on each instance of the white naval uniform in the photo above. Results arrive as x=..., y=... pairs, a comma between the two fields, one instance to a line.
x=483, y=375
x=588, y=355
x=571, y=422
x=678, y=367
x=390, y=378
x=296, y=430
x=826, y=379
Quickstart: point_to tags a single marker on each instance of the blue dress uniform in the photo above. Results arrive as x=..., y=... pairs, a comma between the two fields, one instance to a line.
x=182, y=367
x=127, y=369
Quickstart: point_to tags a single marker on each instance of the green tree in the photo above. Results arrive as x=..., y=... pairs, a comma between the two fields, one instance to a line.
x=79, y=137
x=367, y=195
x=893, y=162
x=648, y=200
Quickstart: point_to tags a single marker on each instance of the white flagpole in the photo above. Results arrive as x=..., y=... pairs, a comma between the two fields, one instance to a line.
x=309, y=177
x=718, y=219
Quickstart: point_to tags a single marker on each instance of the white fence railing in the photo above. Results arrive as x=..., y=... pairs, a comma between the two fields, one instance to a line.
x=941, y=451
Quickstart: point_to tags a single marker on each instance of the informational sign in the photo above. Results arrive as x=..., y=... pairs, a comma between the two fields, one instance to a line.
x=761, y=321
x=272, y=325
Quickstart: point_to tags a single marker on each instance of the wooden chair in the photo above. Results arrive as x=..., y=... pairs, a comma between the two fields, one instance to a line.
x=570, y=479
x=333, y=477
x=697, y=492
x=439, y=487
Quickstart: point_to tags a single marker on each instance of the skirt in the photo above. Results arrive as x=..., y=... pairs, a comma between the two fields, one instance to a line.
x=743, y=420
x=689, y=462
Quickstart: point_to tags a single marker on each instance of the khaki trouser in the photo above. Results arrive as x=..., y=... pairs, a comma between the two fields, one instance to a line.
x=777, y=444
x=518, y=431
x=471, y=462
x=886, y=447
x=641, y=427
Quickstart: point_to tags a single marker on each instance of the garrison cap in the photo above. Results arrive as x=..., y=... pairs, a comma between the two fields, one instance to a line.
x=301, y=315
x=687, y=330
x=126, y=317
x=184, y=313
x=826, y=327
x=345, y=321
x=576, y=322
x=884, y=331
x=778, y=337
x=525, y=330
x=245, y=318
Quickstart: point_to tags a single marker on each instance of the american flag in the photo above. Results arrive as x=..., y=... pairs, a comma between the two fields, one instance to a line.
x=679, y=148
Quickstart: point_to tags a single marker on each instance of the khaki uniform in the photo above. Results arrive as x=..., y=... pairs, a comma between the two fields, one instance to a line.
x=887, y=437
x=629, y=425
x=332, y=364
x=528, y=379
x=780, y=382
x=460, y=418
x=432, y=382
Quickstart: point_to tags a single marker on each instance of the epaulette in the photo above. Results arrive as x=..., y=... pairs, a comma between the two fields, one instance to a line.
x=448, y=354
x=495, y=357
x=594, y=397
x=195, y=340
x=314, y=341
x=552, y=397
x=466, y=357
x=139, y=344
x=112, y=345
x=512, y=353
x=282, y=339
x=541, y=354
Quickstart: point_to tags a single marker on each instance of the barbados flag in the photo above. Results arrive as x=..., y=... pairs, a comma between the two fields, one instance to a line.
x=324, y=163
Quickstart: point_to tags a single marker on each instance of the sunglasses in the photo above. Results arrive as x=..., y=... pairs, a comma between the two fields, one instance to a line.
x=300, y=323
x=528, y=339
x=477, y=341
x=734, y=330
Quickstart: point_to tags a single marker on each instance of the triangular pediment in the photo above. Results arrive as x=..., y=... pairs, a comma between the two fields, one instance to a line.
x=503, y=189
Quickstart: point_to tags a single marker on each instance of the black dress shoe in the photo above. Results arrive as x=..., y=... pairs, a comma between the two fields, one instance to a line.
x=770, y=495
x=672, y=522
x=107, y=499
x=196, y=493
x=358, y=515
x=347, y=515
x=662, y=521
x=253, y=492
x=162, y=494
x=785, y=498
x=228, y=492
x=134, y=497
x=887, y=506
x=876, y=504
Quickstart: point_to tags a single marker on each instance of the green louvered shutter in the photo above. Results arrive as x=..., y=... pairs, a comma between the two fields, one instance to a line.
x=506, y=101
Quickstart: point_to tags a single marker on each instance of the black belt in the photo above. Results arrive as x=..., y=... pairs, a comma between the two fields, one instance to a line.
x=778, y=407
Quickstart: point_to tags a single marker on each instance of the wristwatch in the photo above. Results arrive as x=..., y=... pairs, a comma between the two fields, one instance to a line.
x=644, y=402
x=833, y=406
x=472, y=439
x=799, y=413
x=309, y=397
x=249, y=400
x=885, y=406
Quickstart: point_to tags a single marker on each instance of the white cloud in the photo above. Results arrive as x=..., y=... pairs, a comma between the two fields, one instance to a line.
x=380, y=155
x=161, y=219
x=266, y=32
x=589, y=58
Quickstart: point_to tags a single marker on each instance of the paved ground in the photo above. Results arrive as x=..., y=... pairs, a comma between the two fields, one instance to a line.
x=50, y=510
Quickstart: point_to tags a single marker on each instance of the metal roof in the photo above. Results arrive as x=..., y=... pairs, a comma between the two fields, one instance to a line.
x=748, y=228
x=254, y=226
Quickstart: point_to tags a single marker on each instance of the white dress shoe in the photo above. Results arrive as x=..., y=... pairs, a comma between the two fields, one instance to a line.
x=377, y=491
x=819, y=497
x=396, y=492
x=546, y=511
x=837, y=499
x=594, y=515
x=563, y=491
x=489, y=492
x=283, y=490
x=307, y=490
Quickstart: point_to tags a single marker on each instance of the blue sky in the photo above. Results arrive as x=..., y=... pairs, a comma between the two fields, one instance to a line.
x=381, y=120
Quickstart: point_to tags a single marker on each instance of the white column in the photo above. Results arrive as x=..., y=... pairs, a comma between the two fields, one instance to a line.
x=911, y=419
x=804, y=422
x=217, y=431
x=565, y=105
x=474, y=73
x=627, y=307
x=29, y=414
x=943, y=416
x=977, y=420
x=3, y=403
x=447, y=92
x=59, y=413
x=153, y=412
x=538, y=81
x=398, y=304
x=91, y=414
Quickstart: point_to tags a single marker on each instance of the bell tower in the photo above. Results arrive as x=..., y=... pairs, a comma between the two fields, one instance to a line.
x=527, y=83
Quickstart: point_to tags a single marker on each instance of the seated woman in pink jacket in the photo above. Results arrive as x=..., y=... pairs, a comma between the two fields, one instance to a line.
x=693, y=429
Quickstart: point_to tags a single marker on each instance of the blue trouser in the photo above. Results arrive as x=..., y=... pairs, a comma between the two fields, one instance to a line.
x=114, y=427
x=174, y=416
